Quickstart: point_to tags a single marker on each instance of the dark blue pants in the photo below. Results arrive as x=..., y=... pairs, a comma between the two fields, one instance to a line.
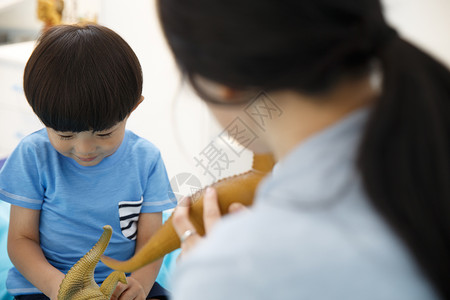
x=157, y=292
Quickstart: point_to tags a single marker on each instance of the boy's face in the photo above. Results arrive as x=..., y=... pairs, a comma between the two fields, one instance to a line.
x=88, y=148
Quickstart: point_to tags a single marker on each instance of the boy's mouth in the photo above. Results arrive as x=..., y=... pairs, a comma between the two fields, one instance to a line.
x=87, y=159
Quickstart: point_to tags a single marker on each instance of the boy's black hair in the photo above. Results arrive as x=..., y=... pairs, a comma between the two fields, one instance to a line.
x=82, y=77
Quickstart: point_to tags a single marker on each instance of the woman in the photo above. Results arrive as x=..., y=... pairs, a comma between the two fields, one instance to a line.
x=358, y=205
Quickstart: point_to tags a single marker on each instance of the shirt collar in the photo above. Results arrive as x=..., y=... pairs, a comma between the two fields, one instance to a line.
x=320, y=167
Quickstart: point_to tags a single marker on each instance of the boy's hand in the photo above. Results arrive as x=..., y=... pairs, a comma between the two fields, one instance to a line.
x=130, y=291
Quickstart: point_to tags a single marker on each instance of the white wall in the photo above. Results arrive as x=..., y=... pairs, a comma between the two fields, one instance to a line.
x=21, y=15
x=424, y=22
x=18, y=20
x=16, y=117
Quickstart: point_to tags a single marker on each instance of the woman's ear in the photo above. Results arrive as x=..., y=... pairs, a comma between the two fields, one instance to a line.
x=218, y=91
x=229, y=93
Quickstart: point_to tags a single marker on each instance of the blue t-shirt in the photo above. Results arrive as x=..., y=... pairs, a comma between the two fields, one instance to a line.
x=77, y=201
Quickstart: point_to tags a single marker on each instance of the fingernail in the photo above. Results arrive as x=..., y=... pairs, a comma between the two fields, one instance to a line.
x=185, y=201
x=209, y=190
x=236, y=207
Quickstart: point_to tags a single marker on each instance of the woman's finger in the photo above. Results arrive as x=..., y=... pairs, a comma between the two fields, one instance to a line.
x=180, y=217
x=183, y=226
x=211, y=210
x=237, y=207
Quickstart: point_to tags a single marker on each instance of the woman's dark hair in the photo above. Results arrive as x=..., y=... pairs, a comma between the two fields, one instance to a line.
x=82, y=77
x=404, y=158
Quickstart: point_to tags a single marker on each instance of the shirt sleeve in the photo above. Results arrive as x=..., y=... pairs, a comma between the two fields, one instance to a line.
x=20, y=182
x=158, y=194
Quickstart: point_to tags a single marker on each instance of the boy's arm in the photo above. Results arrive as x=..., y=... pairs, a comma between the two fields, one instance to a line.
x=26, y=254
x=148, y=224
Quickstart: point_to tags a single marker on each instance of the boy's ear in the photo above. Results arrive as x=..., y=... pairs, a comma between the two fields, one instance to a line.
x=137, y=104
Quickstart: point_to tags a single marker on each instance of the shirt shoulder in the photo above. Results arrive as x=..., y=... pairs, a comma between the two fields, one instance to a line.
x=37, y=140
x=34, y=149
x=142, y=154
x=141, y=146
x=23, y=177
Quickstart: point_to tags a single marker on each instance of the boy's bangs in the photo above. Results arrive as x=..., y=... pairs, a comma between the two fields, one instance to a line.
x=80, y=107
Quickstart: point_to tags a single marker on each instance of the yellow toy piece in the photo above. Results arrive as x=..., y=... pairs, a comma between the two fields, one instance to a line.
x=50, y=12
x=79, y=283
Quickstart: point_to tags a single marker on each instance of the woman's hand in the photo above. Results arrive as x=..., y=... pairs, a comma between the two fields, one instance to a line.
x=130, y=291
x=211, y=214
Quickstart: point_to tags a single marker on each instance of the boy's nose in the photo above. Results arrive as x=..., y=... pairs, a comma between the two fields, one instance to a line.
x=85, y=147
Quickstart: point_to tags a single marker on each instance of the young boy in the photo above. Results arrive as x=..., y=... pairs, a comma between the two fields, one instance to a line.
x=84, y=170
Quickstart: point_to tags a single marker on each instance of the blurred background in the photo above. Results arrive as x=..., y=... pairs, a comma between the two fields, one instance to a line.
x=171, y=116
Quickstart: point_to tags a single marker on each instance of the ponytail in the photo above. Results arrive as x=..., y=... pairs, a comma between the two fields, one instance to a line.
x=404, y=157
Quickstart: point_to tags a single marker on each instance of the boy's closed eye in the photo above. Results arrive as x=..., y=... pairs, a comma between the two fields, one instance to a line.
x=104, y=135
x=65, y=136
x=72, y=135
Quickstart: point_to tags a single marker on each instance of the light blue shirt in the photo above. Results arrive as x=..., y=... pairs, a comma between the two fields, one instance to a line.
x=5, y=263
x=312, y=234
x=75, y=201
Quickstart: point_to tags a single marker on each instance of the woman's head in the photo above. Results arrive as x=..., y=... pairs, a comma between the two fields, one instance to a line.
x=299, y=45
x=82, y=78
x=230, y=51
